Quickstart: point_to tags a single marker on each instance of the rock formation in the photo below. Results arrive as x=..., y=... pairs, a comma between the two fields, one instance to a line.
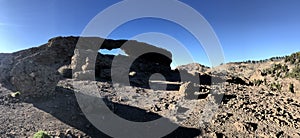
x=36, y=71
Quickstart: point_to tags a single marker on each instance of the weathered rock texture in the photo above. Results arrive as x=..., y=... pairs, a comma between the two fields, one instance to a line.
x=36, y=71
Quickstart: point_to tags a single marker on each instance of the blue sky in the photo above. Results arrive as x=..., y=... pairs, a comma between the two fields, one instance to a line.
x=247, y=29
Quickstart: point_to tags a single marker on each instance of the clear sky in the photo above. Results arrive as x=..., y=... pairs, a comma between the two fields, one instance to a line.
x=247, y=29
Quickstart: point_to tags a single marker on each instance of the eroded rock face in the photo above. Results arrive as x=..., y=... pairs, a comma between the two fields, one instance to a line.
x=6, y=63
x=34, y=79
x=83, y=64
x=36, y=71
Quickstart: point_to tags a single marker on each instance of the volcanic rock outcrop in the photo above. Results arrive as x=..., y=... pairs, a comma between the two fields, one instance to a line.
x=36, y=71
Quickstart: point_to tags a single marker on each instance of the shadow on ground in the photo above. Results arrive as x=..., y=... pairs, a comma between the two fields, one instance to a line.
x=64, y=107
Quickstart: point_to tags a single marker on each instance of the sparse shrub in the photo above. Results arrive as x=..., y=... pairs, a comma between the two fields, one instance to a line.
x=275, y=86
x=276, y=70
x=264, y=72
x=278, y=86
x=278, y=75
x=285, y=68
x=272, y=75
x=291, y=88
x=265, y=81
x=41, y=134
x=295, y=73
x=257, y=82
x=294, y=58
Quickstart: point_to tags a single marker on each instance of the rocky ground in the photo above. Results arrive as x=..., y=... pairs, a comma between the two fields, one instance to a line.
x=247, y=99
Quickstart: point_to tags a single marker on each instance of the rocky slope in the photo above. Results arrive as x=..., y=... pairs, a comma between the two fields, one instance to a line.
x=39, y=86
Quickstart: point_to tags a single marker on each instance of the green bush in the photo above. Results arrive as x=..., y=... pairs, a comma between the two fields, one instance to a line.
x=41, y=134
